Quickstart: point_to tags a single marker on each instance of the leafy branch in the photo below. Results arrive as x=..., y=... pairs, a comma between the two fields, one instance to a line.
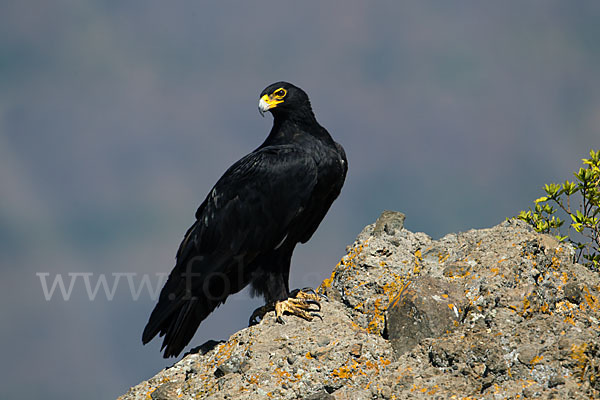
x=584, y=219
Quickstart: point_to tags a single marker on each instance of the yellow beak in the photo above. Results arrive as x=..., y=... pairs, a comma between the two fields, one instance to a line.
x=266, y=103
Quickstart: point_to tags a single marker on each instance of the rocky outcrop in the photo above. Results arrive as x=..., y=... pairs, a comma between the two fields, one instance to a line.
x=497, y=313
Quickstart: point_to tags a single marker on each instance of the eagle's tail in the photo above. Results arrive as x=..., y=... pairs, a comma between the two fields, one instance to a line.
x=177, y=316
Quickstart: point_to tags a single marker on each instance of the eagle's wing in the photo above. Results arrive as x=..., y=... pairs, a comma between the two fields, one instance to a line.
x=248, y=212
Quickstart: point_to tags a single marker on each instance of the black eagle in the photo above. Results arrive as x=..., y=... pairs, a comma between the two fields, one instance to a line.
x=248, y=225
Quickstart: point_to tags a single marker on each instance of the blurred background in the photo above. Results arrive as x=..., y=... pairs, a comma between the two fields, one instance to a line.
x=117, y=117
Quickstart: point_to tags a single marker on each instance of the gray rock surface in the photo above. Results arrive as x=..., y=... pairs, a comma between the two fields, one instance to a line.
x=499, y=313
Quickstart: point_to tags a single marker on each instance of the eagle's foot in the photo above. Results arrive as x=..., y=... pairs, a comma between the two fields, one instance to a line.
x=300, y=303
x=303, y=303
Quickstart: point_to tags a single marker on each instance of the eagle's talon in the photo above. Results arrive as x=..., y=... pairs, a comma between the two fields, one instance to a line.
x=308, y=290
x=312, y=302
x=259, y=314
x=300, y=303
x=254, y=320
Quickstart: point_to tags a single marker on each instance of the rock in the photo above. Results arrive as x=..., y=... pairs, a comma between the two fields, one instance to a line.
x=457, y=270
x=492, y=313
x=349, y=394
x=573, y=292
x=427, y=307
x=168, y=391
x=555, y=381
x=356, y=350
x=323, y=341
x=527, y=354
x=389, y=222
x=291, y=359
x=320, y=395
x=231, y=365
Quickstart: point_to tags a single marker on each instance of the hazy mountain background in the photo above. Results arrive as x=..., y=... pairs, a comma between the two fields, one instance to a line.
x=117, y=117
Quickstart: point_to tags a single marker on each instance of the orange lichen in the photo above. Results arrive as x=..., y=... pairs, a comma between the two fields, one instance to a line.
x=443, y=257
x=327, y=281
x=536, y=360
x=526, y=305
x=555, y=260
x=346, y=371
x=149, y=394
x=418, y=260
x=252, y=379
x=374, y=325
x=592, y=301
x=578, y=353
x=284, y=376
x=346, y=263
x=401, y=288
x=360, y=366
x=392, y=292
x=357, y=327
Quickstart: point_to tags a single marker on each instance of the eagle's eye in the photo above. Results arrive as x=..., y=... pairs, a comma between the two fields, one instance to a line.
x=280, y=93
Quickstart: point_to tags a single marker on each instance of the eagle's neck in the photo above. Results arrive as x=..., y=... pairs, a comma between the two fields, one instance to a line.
x=290, y=127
